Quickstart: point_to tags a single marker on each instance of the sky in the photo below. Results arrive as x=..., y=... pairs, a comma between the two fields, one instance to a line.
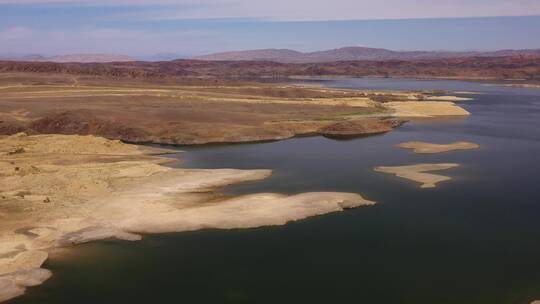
x=196, y=27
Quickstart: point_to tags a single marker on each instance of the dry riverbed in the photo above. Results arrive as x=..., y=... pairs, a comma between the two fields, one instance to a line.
x=61, y=190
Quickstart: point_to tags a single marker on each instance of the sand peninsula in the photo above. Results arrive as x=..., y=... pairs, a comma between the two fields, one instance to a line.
x=448, y=98
x=61, y=190
x=430, y=148
x=425, y=109
x=523, y=86
x=418, y=173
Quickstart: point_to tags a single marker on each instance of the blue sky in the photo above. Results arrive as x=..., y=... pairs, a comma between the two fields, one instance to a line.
x=193, y=27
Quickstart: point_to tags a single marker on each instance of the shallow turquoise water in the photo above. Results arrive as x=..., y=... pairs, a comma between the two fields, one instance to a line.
x=475, y=239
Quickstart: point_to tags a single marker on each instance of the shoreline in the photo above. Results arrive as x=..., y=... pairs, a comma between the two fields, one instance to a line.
x=96, y=196
x=62, y=190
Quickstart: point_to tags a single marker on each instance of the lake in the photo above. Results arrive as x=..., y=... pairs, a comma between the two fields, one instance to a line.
x=474, y=239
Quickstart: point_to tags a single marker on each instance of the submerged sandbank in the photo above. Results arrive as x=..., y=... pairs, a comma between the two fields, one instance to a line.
x=418, y=173
x=58, y=190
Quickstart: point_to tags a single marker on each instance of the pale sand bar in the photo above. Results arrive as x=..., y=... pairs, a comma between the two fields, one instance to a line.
x=424, y=109
x=429, y=148
x=448, y=98
x=418, y=173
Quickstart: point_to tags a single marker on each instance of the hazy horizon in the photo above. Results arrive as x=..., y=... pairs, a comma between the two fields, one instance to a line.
x=192, y=28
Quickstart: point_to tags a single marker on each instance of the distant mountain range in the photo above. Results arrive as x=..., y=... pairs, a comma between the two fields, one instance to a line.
x=163, y=57
x=354, y=54
x=279, y=55
x=193, y=71
x=93, y=58
x=79, y=58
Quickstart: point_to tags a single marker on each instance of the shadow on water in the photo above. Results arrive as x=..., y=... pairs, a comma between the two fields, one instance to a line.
x=474, y=239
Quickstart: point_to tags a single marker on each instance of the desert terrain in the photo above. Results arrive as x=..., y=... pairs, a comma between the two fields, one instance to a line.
x=524, y=68
x=200, y=111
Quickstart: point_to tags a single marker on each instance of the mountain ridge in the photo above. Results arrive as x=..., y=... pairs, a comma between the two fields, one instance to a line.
x=505, y=67
x=354, y=54
x=75, y=58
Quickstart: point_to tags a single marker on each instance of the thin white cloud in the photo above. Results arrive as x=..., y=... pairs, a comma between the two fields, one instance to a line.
x=310, y=10
x=106, y=2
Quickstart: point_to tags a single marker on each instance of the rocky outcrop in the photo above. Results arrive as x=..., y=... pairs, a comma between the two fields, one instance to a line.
x=505, y=67
x=353, y=128
x=85, y=123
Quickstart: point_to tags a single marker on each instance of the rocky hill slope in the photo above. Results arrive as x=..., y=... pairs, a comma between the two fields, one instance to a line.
x=356, y=53
x=507, y=67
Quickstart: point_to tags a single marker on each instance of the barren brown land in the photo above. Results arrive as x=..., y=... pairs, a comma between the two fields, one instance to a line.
x=522, y=67
x=199, y=111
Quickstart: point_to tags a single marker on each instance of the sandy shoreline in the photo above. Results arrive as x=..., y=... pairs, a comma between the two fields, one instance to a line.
x=59, y=190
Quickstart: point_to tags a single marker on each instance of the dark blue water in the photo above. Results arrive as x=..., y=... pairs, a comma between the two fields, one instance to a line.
x=474, y=239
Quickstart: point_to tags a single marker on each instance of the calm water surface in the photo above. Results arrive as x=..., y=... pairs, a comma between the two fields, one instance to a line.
x=474, y=239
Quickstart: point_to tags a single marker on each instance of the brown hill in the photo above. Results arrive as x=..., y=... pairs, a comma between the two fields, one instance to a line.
x=354, y=54
x=508, y=67
x=80, y=58
x=279, y=55
x=90, y=58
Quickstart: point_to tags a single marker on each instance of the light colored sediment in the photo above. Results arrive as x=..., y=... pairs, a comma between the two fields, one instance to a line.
x=447, y=98
x=428, y=148
x=14, y=284
x=524, y=86
x=424, y=109
x=250, y=211
x=58, y=190
x=418, y=173
x=468, y=93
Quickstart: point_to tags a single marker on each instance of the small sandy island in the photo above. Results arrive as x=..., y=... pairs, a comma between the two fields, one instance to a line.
x=524, y=86
x=60, y=190
x=429, y=148
x=425, y=109
x=468, y=93
x=418, y=173
x=448, y=98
